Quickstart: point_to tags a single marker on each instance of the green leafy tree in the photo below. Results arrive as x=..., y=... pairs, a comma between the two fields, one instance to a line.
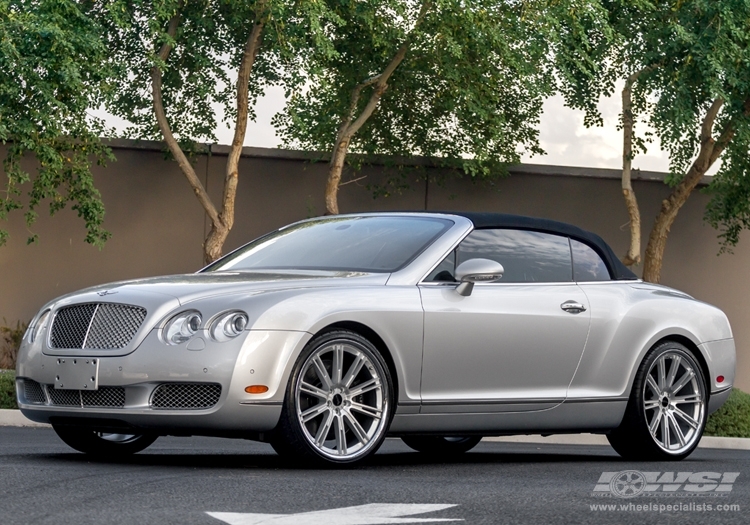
x=460, y=80
x=176, y=59
x=685, y=67
x=51, y=73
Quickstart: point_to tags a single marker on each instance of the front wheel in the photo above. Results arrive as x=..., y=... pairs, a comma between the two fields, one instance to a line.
x=667, y=409
x=442, y=445
x=338, y=403
x=102, y=443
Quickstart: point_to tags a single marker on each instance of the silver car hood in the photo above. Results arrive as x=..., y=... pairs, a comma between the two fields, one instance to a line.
x=189, y=287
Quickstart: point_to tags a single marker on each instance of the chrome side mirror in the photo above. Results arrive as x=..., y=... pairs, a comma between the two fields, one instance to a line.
x=477, y=271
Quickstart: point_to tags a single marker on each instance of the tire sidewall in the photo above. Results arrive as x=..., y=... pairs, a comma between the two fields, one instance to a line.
x=289, y=415
x=638, y=394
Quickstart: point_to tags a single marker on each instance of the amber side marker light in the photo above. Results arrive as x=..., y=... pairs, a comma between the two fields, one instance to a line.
x=720, y=379
x=256, y=389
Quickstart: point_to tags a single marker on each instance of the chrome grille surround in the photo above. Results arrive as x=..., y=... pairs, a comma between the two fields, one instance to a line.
x=106, y=397
x=186, y=396
x=96, y=326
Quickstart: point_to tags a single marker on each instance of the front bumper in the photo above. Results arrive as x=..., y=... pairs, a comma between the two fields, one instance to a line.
x=254, y=358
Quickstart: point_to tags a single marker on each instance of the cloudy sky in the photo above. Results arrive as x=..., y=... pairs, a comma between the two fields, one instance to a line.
x=563, y=136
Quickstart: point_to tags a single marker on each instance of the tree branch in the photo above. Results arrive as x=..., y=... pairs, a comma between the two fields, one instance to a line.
x=710, y=118
x=166, y=131
x=252, y=47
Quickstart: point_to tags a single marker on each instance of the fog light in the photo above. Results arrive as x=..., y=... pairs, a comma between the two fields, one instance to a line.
x=256, y=389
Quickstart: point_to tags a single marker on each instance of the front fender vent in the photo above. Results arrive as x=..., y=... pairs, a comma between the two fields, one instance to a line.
x=186, y=396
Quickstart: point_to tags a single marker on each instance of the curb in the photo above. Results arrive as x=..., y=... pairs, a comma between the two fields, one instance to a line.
x=14, y=418
x=598, y=439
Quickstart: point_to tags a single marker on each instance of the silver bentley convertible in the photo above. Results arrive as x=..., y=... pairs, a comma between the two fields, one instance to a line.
x=330, y=334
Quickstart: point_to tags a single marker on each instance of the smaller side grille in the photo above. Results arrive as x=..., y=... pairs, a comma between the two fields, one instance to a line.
x=33, y=392
x=186, y=396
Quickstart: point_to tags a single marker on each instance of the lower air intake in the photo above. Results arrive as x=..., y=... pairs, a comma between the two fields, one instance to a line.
x=186, y=396
x=33, y=392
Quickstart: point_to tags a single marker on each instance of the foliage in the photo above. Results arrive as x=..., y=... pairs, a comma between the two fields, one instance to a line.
x=174, y=63
x=694, y=91
x=10, y=342
x=7, y=389
x=469, y=89
x=51, y=73
x=732, y=419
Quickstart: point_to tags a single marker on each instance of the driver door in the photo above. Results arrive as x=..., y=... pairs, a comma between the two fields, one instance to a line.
x=513, y=345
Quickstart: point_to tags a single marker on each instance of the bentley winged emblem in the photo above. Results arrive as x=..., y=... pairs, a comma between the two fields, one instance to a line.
x=106, y=292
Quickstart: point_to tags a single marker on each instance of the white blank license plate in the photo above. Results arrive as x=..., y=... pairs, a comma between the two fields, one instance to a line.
x=75, y=373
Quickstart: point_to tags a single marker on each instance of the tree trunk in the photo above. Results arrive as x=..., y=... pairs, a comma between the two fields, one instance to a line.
x=334, y=176
x=221, y=221
x=350, y=125
x=633, y=256
x=710, y=150
x=214, y=243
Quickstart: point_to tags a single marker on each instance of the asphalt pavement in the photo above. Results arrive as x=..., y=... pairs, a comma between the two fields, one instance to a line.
x=217, y=481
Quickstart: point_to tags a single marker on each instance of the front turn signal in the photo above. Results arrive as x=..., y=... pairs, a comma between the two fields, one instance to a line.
x=256, y=389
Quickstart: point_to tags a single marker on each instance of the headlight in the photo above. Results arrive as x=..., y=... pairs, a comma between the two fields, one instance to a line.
x=182, y=327
x=36, y=328
x=228, y=326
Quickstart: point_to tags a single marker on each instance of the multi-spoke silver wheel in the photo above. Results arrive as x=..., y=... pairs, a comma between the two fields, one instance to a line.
x=667, y=409
x=673, y=402
x=341, y=400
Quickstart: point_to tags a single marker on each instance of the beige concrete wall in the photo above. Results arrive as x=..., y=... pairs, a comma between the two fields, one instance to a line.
x=158, y=225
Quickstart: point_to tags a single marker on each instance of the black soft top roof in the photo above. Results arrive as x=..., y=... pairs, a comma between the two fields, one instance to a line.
x=484, y=221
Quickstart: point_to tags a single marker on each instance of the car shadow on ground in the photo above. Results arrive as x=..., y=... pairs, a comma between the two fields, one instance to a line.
x=381, y=460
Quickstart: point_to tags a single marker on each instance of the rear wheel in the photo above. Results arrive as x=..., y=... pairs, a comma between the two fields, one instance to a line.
x=442, y=445
x=102, y=443
x=339, y=401
x=667, y=409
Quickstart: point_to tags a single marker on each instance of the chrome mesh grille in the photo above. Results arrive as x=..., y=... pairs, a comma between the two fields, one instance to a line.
x=33, y=393
x=99, y=326
x=70, y=326
x=105, y=397
x=186, y=396
x=68, y=398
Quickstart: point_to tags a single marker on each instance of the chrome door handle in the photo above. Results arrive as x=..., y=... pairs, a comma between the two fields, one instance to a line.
x=573, y=307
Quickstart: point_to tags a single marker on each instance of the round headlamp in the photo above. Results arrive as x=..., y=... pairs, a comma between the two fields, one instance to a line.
x=228, y=326
x=182, y=327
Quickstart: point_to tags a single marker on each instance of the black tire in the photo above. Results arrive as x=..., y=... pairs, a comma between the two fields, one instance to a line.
x=293, y=439
x=442, y=445
x=103, y=444
x=633, y=440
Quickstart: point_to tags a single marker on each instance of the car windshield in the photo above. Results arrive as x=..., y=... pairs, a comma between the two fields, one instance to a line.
x=365, y=244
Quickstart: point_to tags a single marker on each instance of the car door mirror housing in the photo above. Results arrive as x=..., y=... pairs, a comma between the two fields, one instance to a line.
x=477, y=271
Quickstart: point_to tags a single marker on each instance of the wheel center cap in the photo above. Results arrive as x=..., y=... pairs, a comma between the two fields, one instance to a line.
x=665, y=401
x=337, y=400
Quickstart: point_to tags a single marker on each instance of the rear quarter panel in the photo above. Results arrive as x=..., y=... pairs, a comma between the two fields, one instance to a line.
x=627, y=320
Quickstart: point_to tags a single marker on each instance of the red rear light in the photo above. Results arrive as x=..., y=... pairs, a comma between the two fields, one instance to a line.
x=720, y=379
